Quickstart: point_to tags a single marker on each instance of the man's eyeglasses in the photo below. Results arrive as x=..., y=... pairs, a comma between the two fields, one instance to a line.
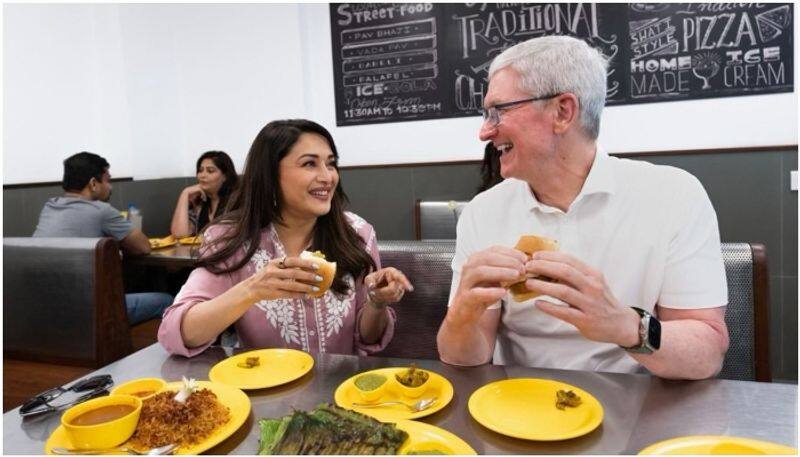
x=492, y=114
x=86, y=389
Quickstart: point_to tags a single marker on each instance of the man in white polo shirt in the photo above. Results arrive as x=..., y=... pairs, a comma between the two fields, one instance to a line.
x=640, y=277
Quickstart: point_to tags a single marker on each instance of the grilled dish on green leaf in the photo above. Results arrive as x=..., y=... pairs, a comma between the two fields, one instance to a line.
x=330, y=430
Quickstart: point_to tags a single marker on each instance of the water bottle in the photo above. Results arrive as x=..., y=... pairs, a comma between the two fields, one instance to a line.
x=135, y=216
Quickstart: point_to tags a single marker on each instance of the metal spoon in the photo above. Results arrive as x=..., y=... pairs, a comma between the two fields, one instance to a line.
x=421, y=405
x=162, y=450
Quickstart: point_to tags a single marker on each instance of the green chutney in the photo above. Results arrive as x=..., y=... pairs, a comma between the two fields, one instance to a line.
x=370, y=381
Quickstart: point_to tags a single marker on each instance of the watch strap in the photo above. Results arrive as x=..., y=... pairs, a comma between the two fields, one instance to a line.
x=646, y=323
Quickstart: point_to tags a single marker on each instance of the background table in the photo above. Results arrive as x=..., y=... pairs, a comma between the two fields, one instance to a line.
x=163, y=270
x=639, y=409
x=178, y=256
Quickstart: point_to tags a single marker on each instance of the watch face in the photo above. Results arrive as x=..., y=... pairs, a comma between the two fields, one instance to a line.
x=654, y=333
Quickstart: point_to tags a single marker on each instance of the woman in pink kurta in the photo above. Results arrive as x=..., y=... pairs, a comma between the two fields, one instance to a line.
x=250, y=272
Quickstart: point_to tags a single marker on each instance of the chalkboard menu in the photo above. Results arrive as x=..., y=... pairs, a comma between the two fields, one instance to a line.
x=410, y=61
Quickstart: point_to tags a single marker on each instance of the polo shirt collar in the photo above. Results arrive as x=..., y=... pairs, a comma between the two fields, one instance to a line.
x=601, y=176
x=599, y=181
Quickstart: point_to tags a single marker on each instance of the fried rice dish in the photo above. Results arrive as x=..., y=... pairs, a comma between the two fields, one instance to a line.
x=165, y=420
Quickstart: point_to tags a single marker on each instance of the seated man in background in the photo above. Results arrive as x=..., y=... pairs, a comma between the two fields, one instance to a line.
x=639, y=243
x=83, y=212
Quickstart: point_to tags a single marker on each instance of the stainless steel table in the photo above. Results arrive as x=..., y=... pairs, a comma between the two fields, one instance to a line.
x=639, y=409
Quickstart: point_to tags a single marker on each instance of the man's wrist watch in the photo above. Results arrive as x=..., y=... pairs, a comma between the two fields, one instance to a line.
x=649, y=333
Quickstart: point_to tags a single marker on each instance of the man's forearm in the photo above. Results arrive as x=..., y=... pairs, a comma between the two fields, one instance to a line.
x=690, y=349
x=136, y=243
x=462, y=342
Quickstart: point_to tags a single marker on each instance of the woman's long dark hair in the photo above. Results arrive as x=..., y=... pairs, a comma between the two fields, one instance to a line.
x=490, y=168
x=226, y=167
x=257, y=204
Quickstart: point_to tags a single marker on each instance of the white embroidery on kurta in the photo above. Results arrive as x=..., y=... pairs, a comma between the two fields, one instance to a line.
x=289, y=316
x=336, y=308
x=301, y=310
x=261, y=258
x=281, y=313
x=321, y=341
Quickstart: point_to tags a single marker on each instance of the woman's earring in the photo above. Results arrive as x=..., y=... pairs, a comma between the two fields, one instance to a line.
x=274, y=201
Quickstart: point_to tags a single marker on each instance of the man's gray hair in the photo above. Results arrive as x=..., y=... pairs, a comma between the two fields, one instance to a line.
x=557, y=64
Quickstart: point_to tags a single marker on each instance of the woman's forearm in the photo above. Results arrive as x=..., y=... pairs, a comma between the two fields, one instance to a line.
x=373, y=323
x=205, y=321
x=181, y=226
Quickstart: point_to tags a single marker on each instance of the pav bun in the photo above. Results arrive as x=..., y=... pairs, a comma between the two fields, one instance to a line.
x=326, y=269
x=530, y=244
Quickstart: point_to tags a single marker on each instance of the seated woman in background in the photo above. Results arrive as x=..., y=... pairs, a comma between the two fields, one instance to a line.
x=250, y=271
x=490, y=168
x=201, y=203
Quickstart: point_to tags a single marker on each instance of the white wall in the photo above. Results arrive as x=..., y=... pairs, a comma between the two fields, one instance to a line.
x=201, y=77
x=57, y=95
x=148, y=86
x=151, y=86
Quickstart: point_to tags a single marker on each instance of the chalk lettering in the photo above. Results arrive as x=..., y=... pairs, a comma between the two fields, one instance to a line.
x=469, y=93
x=420, y=109
x=662, y=64
x=714, y=32
x=755, y=75
x=510, y=26
x=691, y=8
x=369, y=89
x=666, y=83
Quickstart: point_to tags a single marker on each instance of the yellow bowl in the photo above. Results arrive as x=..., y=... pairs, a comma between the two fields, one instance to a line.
x=371, y=395
x=411, y=392
x=143, y=388
x=104, y=434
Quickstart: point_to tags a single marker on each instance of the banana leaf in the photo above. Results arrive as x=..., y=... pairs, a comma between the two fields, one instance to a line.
x=328, y=430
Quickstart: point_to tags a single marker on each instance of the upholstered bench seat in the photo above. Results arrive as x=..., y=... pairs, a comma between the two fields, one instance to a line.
x=63, y=301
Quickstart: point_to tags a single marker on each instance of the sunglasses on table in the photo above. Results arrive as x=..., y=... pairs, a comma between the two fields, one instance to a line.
x=86, y=389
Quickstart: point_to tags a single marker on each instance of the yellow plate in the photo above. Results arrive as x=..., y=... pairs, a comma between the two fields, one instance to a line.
x=425, y=438
x=703, y=444
x=277, y=366
x=234, y=399
x=526, y=408
x=191, y=240
x=438, y=386
x=167, y=241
